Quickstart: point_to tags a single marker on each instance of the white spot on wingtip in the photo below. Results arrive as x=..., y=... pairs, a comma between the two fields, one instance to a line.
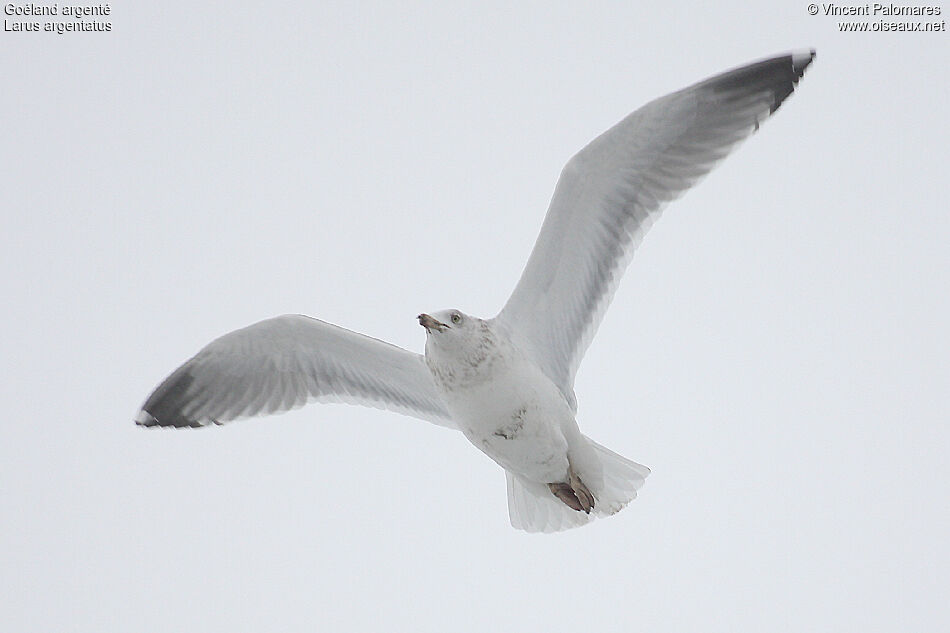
x=802, y=57
x=144, y=418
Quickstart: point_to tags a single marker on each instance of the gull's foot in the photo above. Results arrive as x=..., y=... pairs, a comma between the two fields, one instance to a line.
x=565, y=493
x=574, y=494
x=582, y=493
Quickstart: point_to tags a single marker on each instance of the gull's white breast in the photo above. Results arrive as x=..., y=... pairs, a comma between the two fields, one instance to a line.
x=514, y=414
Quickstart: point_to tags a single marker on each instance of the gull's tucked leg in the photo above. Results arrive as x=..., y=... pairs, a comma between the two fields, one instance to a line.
x=581, y=492
x=566, y=494
x=575, y=493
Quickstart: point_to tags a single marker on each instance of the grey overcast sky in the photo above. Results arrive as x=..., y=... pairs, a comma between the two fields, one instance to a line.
x=777, y=352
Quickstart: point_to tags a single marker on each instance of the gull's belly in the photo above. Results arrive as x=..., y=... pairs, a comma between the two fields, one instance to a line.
x=516, y=422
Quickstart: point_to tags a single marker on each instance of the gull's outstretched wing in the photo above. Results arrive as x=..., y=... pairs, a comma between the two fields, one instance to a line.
x=613, y=190
x=285, y=362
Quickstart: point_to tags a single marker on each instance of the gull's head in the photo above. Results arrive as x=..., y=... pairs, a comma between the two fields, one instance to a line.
x=451, y=329
x=457, y=344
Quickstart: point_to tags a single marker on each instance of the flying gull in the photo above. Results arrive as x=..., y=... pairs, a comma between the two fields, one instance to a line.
x=507, y=383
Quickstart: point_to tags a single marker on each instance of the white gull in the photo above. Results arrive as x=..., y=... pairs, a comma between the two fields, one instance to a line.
x=507, y=382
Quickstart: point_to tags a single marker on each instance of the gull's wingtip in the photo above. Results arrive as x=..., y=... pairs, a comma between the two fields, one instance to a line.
x=775, y=76
x=144, y=418
x=166, y=406
x=801, y=58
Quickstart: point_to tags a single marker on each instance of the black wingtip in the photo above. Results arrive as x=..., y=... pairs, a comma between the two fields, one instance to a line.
x=147, y=420
x=165, y=406
x=776, y=75
x=800, y=60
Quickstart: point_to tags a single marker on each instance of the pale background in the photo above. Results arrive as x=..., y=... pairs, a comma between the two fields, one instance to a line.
x=777, y=353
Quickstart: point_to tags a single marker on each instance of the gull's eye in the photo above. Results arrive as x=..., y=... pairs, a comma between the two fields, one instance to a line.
x=456, y=319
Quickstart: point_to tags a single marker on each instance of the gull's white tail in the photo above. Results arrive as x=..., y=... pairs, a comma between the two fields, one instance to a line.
x=533, y=508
